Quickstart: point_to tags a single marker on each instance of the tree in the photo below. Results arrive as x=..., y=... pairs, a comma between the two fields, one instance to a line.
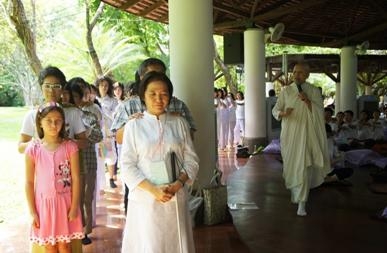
x=116, y=54
x=17, y=75
x=89, y=39
x=150, y=35
x=225, y=71
x=22, y=26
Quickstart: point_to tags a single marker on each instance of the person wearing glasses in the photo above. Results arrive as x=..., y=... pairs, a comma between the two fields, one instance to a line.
x=52, y=81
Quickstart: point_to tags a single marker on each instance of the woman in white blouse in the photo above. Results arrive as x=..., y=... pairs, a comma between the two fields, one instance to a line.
x=239, y=129
x=108, y=105
x=158, y=218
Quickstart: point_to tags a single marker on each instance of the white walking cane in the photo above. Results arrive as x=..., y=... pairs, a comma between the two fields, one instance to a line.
x=178, y=224
x=173, y=166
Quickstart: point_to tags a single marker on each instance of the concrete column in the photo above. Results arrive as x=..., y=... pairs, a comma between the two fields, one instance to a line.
x=191, y=59
x=348, y=80
x=255, y=103
x=337, y=98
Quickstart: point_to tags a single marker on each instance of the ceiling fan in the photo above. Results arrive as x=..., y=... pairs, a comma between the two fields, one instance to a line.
x=362, y=48
x=275, y=33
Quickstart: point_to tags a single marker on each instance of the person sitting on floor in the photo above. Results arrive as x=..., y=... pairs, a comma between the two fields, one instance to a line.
x=339, y=170
x=377, y=126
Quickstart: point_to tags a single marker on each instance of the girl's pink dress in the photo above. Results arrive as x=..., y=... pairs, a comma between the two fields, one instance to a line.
x=53, y=194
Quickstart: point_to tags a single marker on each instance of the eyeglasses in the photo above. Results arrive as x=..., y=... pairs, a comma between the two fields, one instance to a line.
x=54, y=86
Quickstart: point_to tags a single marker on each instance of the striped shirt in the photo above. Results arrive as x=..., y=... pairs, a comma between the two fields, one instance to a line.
x=134, y=105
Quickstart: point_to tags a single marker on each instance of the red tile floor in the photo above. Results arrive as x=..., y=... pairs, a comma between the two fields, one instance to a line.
x=110, y=219
x=337, y=221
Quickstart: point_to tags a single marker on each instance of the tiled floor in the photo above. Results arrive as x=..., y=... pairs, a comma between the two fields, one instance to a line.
x=337, y=221
x=338, y=216
x=110, y=219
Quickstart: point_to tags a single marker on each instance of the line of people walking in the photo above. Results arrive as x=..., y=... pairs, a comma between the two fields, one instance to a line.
x=230, y=118
x=65, y=138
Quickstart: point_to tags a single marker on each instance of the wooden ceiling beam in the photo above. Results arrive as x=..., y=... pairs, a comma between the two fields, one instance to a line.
x=253, y=8
x=366, y=32
x=270, y=15
x=378, y=8
x=156, y=5
x=231, y=11
x=128, y=4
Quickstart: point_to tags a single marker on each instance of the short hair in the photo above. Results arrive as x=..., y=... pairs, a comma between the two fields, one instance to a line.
x=110, y=84
x=78, y=80
x=150, y=62
x=305, y=66
x=67, y=88
x=121, y=86
x=350, y=112
x=241, y=94
x=42, y=113
x=52, y=71
x=77, y=84
x=151, y=77
x=271, y=93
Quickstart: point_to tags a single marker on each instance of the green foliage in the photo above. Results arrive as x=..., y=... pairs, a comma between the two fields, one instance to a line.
x=151, y=36
x=273, y=49
x=116, y=54
x=10, y=123
x=9, y=95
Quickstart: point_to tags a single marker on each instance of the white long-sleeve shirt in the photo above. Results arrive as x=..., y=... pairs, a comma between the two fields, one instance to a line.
x=151, y=226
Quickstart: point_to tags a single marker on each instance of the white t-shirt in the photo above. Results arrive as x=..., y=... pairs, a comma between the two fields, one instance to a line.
x=73, y=122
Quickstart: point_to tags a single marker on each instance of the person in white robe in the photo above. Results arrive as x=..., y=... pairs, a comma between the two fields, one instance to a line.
x=158, y=218
x=303, y=138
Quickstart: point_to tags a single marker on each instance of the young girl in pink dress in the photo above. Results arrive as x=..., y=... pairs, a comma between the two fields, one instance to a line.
x=52, y=183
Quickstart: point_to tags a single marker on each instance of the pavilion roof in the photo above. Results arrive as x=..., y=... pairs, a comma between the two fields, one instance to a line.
x=324, y=23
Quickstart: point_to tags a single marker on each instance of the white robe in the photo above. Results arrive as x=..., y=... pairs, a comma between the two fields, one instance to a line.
x=152, y=226
x=303, y=140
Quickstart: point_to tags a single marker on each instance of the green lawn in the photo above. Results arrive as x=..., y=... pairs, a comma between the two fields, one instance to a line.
x=12, y=199
x=11, y=119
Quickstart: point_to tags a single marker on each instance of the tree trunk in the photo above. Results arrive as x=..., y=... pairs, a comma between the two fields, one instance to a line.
x=23, y=28
x=226, y=72
x=89, y=38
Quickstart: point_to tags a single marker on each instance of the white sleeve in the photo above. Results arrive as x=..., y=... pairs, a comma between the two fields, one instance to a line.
x=28, y=125
x=130, y=173
x=76, y=122
x=190, y=158
x=279, y=105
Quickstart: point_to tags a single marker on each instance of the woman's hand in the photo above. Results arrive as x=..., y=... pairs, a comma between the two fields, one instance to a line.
x=286, y=113
x=161, y=194
x=35, y=220
x=73, y=213
x=174, y=187
x=137, y=115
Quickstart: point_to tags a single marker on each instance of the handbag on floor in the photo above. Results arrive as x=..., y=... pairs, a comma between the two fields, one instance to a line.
x=215, y=201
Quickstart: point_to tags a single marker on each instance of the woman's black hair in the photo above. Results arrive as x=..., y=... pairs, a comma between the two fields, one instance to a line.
x=121, y=86
x=241, y=94
x=143, y=69
x=67, y=88
x=110, y=84
x=151, y=77
x=52, y=71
